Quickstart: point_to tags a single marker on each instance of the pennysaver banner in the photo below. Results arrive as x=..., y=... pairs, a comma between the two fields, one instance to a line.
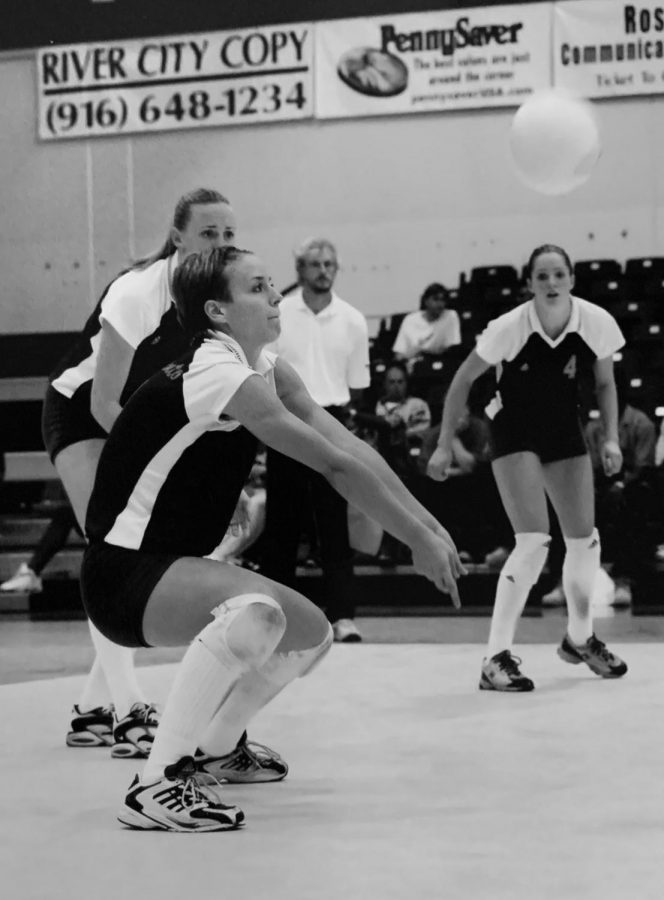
x=609, y=49
x=437, y=61
x=188, y=81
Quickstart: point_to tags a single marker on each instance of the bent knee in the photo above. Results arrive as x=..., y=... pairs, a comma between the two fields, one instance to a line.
x=254, y=625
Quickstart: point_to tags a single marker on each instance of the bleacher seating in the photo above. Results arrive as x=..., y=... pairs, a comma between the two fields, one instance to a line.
x=589, y=272
x=645, y=268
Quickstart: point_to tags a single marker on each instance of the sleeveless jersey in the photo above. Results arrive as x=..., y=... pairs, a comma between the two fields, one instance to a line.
x=538, y=377
x=174, y=465
x=139, y=306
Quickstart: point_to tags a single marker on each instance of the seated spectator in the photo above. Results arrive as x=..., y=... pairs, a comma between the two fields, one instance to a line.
x=431, y=330
x=248, y=522
x=395, y=429
x=625, y=503
x=397, y=423
x=474, y=513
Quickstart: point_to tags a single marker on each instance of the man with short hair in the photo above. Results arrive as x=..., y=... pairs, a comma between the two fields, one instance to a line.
x=326, y=341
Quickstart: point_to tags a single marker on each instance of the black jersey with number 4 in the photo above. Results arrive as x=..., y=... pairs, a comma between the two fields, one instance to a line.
x=538, y=376
x=174, y=464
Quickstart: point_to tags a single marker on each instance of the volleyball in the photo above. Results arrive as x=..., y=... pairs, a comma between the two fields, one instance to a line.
x=555, y=142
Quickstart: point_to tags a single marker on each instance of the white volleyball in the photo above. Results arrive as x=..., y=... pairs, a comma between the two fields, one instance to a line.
x=555, y=142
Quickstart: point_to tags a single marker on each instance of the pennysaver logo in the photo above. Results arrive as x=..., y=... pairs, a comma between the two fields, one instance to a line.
x=447, y=40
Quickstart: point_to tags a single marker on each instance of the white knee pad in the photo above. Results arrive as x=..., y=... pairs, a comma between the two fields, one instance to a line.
x=245, y=631
x=525, y=563
x=282, y=668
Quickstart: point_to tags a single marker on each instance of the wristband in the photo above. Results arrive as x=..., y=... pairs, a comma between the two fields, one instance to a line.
x=613, y=446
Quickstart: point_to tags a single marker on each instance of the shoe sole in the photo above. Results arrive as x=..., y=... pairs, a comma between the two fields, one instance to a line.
x=142, y=823
x=577, y=660
x=487, y=686
x=88, y=739
x=127, y=751
x=234, y=778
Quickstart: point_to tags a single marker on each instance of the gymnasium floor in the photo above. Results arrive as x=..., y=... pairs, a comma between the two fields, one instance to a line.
x=406, y=781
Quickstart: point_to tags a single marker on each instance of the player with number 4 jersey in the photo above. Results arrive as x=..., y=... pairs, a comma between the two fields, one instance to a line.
x=541, y=352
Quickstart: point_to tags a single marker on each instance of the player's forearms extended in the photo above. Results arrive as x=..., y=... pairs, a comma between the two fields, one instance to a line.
x=361, y=487
x=395, y=485
x=608, y=411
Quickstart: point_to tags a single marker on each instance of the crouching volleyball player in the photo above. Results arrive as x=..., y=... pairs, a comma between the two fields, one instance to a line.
x=541, y=350
x=167, y=485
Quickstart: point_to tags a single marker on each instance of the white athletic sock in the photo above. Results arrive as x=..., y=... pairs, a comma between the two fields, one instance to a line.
x=521, y=570
x=250, y=694
x=254, y=690
x=582, y=561
x=243, y=634
x=200, y=685
x=95, y=690
x=117, y=664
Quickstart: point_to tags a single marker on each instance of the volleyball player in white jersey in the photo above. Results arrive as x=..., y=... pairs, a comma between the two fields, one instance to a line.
x=168, y=481
x=541, y=349
x=131, y=333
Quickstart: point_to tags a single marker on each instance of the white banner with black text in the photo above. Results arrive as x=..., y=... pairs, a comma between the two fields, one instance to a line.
x=435, y=61
x=609, y=49
x=190, y=81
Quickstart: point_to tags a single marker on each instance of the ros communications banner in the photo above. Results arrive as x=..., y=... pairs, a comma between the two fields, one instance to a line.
x=609, y=49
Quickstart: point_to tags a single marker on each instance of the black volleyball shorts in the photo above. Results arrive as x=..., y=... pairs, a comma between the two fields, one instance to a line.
x=116, y=584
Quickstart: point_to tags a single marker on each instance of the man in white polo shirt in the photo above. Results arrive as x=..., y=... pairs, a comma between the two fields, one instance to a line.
x=326, y=341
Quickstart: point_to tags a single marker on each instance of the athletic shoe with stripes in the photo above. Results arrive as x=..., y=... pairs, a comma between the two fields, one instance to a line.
x=501, y=673
x=595, y=654
x=133, y=735
x=248, y=763
x=91, y=729
x=181, y=800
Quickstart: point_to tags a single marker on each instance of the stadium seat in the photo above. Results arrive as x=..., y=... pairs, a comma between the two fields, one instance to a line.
x=604, y=292
x=645, y=268
x=594, y=269
x=588, y=271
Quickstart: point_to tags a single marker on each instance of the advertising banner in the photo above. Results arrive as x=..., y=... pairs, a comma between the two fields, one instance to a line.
x=436, y=61
x=190, y=81
x=609, y=49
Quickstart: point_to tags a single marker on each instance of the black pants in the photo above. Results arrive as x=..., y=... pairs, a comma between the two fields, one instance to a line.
x=293, y=493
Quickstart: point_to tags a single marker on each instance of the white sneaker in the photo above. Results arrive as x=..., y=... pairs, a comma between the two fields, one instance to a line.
x=346, y=632
x=24, y=580
x=180, y=801
x=556, y=597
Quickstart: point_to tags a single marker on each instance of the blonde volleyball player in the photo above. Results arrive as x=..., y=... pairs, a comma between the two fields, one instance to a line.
x=168, y=481
x=132, y=332
x=540, y=350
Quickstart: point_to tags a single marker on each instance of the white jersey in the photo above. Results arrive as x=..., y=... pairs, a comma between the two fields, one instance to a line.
x=174, y=464
x=140, y=307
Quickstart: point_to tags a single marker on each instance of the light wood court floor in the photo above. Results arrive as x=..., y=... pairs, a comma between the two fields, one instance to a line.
x=406, y=782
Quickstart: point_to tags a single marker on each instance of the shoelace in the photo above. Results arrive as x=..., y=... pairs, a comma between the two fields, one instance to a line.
x=510, y=664
x=600, y=648
x=259, y=752
x=192, y=796
x=147, y=715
